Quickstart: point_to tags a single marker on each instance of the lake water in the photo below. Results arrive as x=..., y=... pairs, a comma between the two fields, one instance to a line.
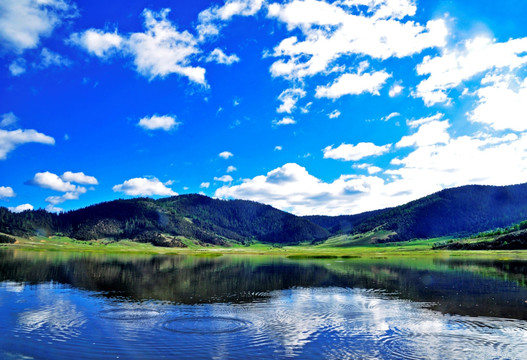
x=75, y=306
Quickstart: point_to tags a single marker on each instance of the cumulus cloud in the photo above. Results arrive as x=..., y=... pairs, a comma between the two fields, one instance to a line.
x=331, y=31
x=426, y=169
x=54, y=200
x=97, y=42
x=278, y=148
x=204, y=185
x=284, y=121
x=6, y=192
x=162, y=50
x=454, y=66
x=155, y=122
x=54, y=209
x=231, y=169
x=225, y=154
x=348, y=152
x=418, y=122
x=79, y=178
x=224, y=178
x=218, y=56
x=429, y=133
x=48, y=180
x=143, y=187
x=288, y=99
x=159, y=51
x=353, y=84
x=502, y=103
x=20, y=208
x=291, y=188
x=10, y=140
x=24, y=22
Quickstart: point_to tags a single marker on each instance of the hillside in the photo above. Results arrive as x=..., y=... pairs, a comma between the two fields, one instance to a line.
x=166, y=221
x=174, y=221
x=459, y=211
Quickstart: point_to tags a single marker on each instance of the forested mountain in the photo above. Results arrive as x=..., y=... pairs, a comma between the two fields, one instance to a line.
x=459, y=211
x=456, y=212
x=161, y=221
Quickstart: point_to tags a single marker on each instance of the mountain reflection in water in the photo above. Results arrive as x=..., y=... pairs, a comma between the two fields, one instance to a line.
x=274, y=307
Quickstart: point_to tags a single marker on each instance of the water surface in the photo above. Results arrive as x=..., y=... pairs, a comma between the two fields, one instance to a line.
x=64, y=305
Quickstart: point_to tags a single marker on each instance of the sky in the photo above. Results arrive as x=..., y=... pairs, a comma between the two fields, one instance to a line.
x=311, y=106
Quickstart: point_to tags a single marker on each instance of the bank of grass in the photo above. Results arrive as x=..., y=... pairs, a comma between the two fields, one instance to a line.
x=342, y=246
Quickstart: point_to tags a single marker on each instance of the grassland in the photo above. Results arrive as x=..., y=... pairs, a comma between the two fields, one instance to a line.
x=342, y=246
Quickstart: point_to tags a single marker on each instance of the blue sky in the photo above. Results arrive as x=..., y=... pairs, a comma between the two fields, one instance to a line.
x=314, y=107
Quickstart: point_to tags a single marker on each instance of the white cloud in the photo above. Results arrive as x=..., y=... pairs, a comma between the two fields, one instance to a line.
x=452, y=67
x=334, y=114
x=373, y=169
x=155, y=122
x=212, y=19
x=53, y=209
x=218, y=56
x=79, y=178
x=395, y=90
x=9, y=140
x=50, y=58
x=8, y=119
x=21, y=208
x=390, y=116
x=6, y=192
x=204, y=185
x=427, y=169
x=348, y=152
x=24, y=22
x=98, y=42
x=54, y=200
x=278, y=148
x=48, y=180
x=162, y=50
x=224, y=178
x=292, y=188
x=231, y=169
x=288, y=99
x=430, y=133
x=502, y=103
x=225, y=154
x=17, y=67
x=143, y=187
x=284, y=121
x=353, y=84
x=159, y=51
x=425, y=120
x=331, y=31
x=383, y=9
x=464, y=160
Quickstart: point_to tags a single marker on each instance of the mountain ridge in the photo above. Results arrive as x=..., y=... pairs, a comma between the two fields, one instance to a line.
x=174, y=220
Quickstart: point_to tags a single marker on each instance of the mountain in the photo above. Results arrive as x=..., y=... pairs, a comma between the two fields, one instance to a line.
x=461, y=211
x=166, y=221
x=176, y=220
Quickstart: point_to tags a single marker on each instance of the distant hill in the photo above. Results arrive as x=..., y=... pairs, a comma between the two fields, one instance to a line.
x=164, y=221
x=458, y=211
x=171, y=221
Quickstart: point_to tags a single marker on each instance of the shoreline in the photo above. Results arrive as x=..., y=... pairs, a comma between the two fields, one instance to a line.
x=380, y=251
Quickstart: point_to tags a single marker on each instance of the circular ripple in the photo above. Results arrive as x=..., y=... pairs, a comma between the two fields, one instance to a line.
x=128, y=314
x=205, y=325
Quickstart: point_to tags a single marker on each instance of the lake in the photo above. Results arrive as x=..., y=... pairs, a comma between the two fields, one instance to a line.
x=57, y=305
